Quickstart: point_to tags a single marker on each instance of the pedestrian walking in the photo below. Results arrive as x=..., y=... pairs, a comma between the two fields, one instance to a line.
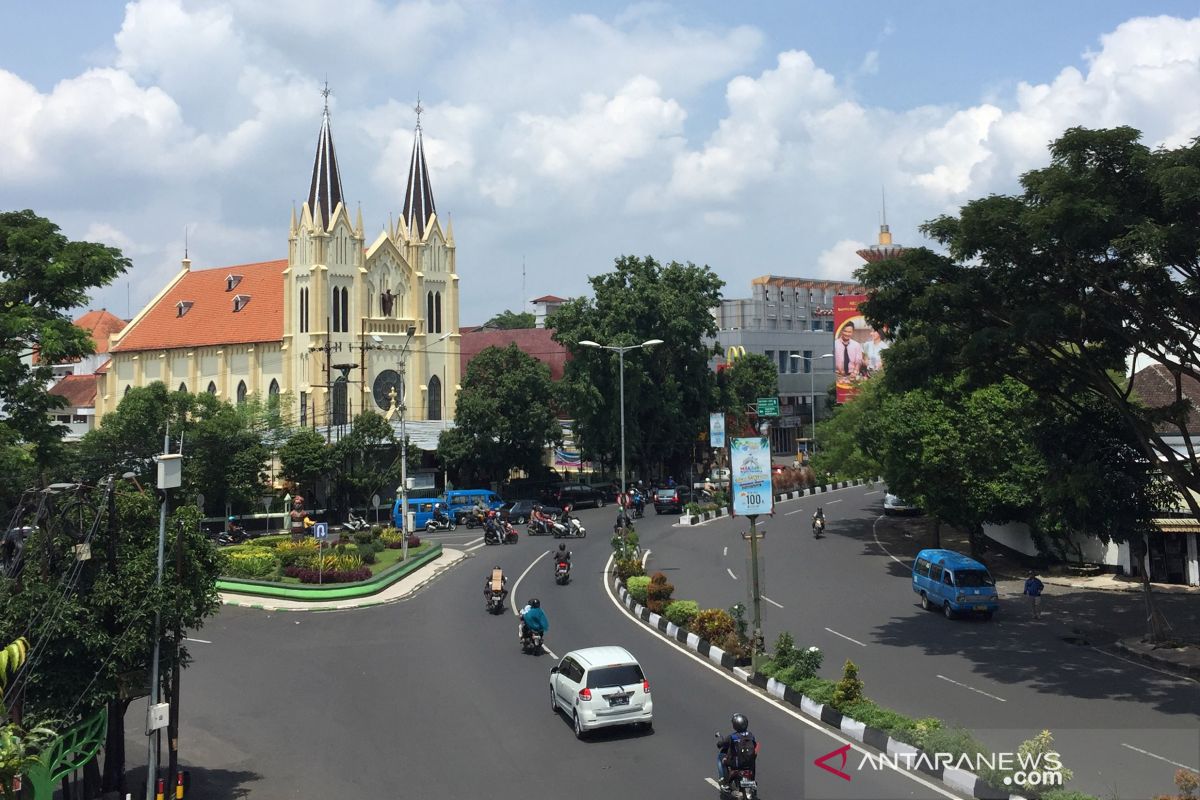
x=1033, y=588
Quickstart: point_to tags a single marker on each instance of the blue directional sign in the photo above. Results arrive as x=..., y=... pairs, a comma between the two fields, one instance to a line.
x=321, y=530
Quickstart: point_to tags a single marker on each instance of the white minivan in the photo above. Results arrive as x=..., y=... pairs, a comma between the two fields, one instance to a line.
x=599, y=687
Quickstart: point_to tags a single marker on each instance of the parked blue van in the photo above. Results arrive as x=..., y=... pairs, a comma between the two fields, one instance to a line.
x=422, y=508
x=954, y=583
x=460, y=501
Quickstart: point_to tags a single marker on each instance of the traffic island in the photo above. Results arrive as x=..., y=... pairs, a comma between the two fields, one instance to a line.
x=390, y=585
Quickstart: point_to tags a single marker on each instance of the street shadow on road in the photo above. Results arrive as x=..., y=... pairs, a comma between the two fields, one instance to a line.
x=205, y=783
x=614, y=734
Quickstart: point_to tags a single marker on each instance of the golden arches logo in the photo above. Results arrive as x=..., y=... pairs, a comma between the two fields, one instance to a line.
x=734, y=352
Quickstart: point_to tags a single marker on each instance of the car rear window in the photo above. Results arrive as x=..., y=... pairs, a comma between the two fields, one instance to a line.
x=973, y=578
x=667, y=494
x=621, y=675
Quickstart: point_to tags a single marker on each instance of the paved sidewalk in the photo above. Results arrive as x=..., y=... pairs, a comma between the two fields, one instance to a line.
x=399, y=590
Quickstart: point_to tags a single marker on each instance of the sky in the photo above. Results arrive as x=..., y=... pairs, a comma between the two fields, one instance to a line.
x=756, y=138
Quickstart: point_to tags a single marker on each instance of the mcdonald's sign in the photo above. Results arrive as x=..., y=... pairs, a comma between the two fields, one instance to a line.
x=734, y=352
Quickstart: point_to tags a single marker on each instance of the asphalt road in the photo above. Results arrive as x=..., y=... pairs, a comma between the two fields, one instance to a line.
x=1122, y=727
x=432, y=697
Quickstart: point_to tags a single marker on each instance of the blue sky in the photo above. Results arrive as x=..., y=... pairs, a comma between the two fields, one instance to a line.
x=752, y=137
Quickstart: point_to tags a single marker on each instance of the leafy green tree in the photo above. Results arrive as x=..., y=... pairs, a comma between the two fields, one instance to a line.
x=1095, y=262
x=43, y=275
x=845, y=451
x=505, y=417
x=669, y=389
x=18, y=468
x=511, y=320
x=305, y=458
x=370, y=460
x=746, y=380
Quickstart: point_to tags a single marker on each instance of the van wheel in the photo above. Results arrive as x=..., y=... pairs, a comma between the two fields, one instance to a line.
x=948, y=611
x=580, y=733
x=553, y=702
x=925, y=601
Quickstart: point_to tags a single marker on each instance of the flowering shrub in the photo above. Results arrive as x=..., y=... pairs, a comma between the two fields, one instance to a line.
x=296, y=553
x=628, y=568
x=713, y=624
x=328, y=576
x=394, y=539
x=251, y=562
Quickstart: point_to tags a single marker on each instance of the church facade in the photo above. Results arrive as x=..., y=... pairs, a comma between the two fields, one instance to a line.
x=340, y=326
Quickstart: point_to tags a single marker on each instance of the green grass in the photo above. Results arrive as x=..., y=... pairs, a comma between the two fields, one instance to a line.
x=383, y=560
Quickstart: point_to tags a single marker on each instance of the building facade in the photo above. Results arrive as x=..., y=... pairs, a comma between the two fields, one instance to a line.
x=324, y=328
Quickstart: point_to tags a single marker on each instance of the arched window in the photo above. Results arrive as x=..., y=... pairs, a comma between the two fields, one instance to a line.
x=429, y=312
x=212, y=388
x=438, y=309
x=336, y=311
x=340, y=409
x=273, y=389
x=183, y=388
x=303, y=310
x=435, y=398
x=128, y=387
x=345, y=310
x=241, y=392
x=303, y=409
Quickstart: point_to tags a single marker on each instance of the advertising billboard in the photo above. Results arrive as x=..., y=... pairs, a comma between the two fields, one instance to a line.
x=750, y=459
x=716, y=430
x=858, y=350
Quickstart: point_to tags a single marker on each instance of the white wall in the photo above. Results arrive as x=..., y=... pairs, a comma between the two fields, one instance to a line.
x=1015, y=535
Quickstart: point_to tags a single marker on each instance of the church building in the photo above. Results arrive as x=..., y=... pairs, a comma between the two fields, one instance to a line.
x=327, y=328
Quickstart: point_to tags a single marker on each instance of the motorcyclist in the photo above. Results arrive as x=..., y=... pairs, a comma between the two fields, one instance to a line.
x=495, y=583
x=735, y=750
x=533, y=620
x=563, y=555
x=639, y=501
x=234, y=530
x=440, y=515
x=539, y=520
x=491, y=526
x=818, y=521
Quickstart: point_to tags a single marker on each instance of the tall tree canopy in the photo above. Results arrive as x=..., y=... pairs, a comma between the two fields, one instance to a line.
x=506, y=417
x=43, y=275
x=669, y=389
x=1095, y=262
x=744, y=381
x=509, y=320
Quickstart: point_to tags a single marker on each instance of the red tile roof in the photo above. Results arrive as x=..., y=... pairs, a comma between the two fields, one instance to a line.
x=211, y=320
x=549, y=299
x=78, y=390
x=104, y=367
x=100, y=324
x=1155, y=386
x=536, y=342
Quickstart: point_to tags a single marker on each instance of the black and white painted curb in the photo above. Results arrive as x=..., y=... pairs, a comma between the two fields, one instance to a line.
x=696, y=519
x=957, y=780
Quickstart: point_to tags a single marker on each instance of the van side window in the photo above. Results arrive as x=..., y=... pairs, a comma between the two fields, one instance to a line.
x=948, y=579
x=921, y=567
x=935, y=572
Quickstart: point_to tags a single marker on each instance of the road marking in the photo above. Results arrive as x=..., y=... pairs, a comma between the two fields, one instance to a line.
x=727, y=569
x=725, y=550
x=877, y=491
x=473, y=541
x=512, y=597
x=769, y=600
x=973, y=689
x=752, y=691
x=831, y=502
x=844, y=636
x=1160, y=758
x=645, y=558
x=797, y=511
x=875, y=534
x=712, y=782
x=201, y=641
x=473, y=548
x=1145, y=666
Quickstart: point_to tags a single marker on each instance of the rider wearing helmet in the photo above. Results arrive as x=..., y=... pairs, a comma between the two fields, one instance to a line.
x=533, y=619
x=495, y=582
x=563, y=555
x=539, y=520
x=439, y=513
x=738, y=750
x=818, y=520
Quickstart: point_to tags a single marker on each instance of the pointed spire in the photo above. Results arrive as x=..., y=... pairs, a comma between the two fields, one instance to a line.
x=418, y=197
x=358, y=226
x=292, y=230
x=450, y=232
x=326, y=189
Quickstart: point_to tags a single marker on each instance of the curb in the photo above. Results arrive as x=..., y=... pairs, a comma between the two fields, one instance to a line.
x=1187, y=670
x=957, y=780
x=697, y=519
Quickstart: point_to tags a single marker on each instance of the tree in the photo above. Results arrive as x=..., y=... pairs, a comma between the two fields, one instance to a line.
x=746, y=380
x=510, y=320
x=370, y=460
x=1096, y=261
x=305, y=458
x=505, y=417
x=670, y=388
x=845, y=451
x=43, y=275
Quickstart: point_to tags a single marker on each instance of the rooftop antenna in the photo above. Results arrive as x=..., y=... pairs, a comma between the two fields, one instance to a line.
x=524, y=295
x=883, y=195
x=185, y=242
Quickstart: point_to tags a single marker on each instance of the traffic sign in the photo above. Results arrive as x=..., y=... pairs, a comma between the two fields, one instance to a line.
x=768, y=406
x=321, y=530
x=376, y=501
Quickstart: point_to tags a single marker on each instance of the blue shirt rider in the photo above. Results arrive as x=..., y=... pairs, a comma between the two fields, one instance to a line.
x=533, y=618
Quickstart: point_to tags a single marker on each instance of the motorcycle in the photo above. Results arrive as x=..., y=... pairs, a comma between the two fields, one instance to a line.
x=531, y=642
x=436, y=524
x=539, y=528
x=639, y=507
x=571, y=529
x=495, y=603
x=475, y=519
x=356, y=523
x=562, y=573
x=235, y=536
x=818, y=527
x=740, y=782
x=502, y=533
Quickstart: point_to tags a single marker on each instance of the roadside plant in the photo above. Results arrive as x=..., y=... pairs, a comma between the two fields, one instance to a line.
x=713, y=624
x=682, y=612
x=637, y=586
x=291, y=553
x=658, y=593
x=1187, y=781
x=849, y=688
x=626, y=546
x=628, y=568
x=1034, y=751
x=19, y=751
x=738, y=612
x=253, y=562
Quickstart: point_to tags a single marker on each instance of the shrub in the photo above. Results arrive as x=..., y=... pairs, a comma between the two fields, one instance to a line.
x=804, y=665
x=628, y=568
x=414, y=541
x=712, y=624
x=363, y=537
x=955, y=741
x=251, y=562
x=682, y=612
x=735, y=645
x=1033, y=751
x=849, y=688
x=818, y=690
x=296, y=553
x=390, y=536
x=637, y=586
x=626, y=547
x=658, y=593
x=330, y=576
x=885, y=719
x=273, y=540
x=916, y=731
x=785, y=654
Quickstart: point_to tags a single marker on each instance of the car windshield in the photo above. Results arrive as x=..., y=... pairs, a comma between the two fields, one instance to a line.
x=621, y=675
x=973, y=578
x=667, y=494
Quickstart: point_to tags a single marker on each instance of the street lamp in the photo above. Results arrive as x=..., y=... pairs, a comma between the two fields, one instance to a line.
x=812, y=394
x=412, y=329
x=621, y=351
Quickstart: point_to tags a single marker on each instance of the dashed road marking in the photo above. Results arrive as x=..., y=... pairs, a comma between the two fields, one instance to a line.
x=844, y=636
x=973, y=689
x=512, y=597
x=1160, y=758
x=201, y=641
x=725, y=551
x=769, y=600
x=727, y=569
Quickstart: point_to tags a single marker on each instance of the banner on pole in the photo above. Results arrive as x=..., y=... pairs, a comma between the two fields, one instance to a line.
x=750, y=459
x=716, y=430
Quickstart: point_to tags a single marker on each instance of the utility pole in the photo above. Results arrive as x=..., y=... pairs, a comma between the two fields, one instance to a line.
x=173, y=720
x=169, y=477
x=756, y=643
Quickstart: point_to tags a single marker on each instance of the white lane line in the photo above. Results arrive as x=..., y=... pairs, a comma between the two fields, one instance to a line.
x=769, y=600
x=645, y=558
x=973, y=689
x=551, y=652
x=797, y=511
x=745, y=687
x=512, y=597
x=473, y=541
x=727, y=569
x=1160, y=758
x=711, y=782
x=875, y=534
x=201, y=641
x=877, y=491
x=725, y=551
x=831, y=502
x=1144, y=666
x=844, y=636
x=473, y=548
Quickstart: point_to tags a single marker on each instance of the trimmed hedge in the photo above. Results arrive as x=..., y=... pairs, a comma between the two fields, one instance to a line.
x=681, y=612
x=637, y=587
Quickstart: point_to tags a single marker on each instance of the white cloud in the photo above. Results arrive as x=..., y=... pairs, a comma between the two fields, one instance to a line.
x=838, y=263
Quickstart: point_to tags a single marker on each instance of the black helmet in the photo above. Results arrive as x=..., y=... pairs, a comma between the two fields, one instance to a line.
x=496, y=568
x=535, y=603
x=740, y=723
x=562, y=546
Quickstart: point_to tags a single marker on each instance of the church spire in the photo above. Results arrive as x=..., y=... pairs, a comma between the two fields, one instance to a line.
x=418, y=197
x=326, y=189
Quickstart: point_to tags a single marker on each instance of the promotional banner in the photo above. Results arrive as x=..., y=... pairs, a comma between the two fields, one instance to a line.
x=857, y=348
x=716, y=430
x=751, y=462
